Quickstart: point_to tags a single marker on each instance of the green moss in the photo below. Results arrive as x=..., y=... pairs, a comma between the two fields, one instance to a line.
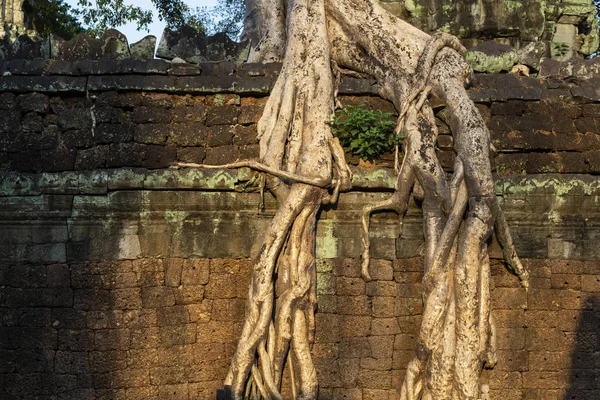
x=481, y=62
x=376, y=178
x=554, y=185
x=413, y=8
x=327, y=243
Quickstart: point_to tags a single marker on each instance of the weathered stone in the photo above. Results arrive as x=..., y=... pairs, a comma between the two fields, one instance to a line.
x=24, y=48
x=144, y=48
x=191, y=154
x=188, y=44
x=151, y=133
x=42, y=84
x=125, y=155
x=184, y=70
x=491, y=57
x=531, y=55
x=590, y=91
x=112, y=44
x=113, y=133
x=144, y=115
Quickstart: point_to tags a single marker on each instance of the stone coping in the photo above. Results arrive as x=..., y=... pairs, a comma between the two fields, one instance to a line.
x=376, y=179
x=83, y=77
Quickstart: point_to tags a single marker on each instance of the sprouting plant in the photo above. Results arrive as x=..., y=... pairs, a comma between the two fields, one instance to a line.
x=561, y=50
x=364, y=132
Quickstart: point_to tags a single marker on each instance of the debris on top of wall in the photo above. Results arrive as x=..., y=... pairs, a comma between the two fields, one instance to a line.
x=112, y=44
x=568, y=27
x=186, y=43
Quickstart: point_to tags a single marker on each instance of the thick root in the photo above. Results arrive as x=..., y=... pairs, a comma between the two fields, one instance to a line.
x=296, y=149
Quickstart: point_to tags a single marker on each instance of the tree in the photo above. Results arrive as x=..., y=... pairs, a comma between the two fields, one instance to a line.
x=318, y=40
x=55, y=16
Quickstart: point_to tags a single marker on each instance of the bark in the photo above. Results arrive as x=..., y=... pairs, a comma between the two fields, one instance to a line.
x=305, y=168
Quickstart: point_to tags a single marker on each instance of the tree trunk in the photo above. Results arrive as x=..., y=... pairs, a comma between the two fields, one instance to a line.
x=306, y=169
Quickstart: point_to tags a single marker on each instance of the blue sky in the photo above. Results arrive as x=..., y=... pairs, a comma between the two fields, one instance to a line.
x=157, y=26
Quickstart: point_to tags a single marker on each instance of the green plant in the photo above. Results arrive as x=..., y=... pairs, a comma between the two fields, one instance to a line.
x=561, y=49
x=365, y=132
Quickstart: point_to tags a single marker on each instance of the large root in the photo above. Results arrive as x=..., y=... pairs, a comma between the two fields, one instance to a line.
x=457, y=335
x=306, y=168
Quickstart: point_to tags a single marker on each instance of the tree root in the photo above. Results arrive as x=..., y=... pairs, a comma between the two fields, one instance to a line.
x=306, y=168
x=321, y=183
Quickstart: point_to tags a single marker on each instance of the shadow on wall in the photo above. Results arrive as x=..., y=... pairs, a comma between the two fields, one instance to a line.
x=584, y=384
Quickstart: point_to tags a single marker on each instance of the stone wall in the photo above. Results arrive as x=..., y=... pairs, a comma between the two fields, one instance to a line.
x=121, y=278
x=516, y=23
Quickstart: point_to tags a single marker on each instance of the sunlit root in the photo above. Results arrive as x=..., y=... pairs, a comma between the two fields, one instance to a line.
x=322, y=183
x=305, y=168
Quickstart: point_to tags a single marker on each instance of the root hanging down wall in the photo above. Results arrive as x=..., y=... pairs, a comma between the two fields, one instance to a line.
x=120, y=278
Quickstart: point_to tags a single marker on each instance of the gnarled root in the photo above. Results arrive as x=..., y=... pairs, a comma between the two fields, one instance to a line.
x=457, y=335
x=304, y=162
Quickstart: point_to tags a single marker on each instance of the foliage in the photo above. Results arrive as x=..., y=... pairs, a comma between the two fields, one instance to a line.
x=55, y=16
x=561, y=49
x=100, y=15
x=227, y=16
x=176, y=13
x=364, y=132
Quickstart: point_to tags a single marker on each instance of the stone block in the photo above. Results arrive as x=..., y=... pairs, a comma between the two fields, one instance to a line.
x=347, y=267
x=353, y=305
x=33, y=102
x=373, y=379
x=153, y=297
x=354, y=325
x=408, y=306
x=377, y=364
x=381, y=288
x=540, y=380
x=590, y=283
x=381, y=270
x=126, y=155
x=189, y=113
x=75, y=340
x=547, y=339
x=511, y=338
x=67, y=318
x=175, y=392
x=75, y=118
x=145, y=338
x=112, y=339
x=144, y=48
x=220, y=286
x=222, y=115
x=156, y=156
x=146, y=115
x=384, y=306
x=228, y=310
x=350, y=286
x=220, y=135
x=512, y=360
x=189, y=134
x=175, y=315
x=150, y=133
x=509, y=298
x=354, y=347
x=191, y=154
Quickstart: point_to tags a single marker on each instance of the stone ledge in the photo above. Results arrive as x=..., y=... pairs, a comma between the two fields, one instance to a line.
x=43, y=84
x=52, y=76
x=379, y=178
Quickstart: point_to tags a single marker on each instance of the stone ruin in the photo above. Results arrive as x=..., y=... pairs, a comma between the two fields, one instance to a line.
x=552, y=35
x=121, y=278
